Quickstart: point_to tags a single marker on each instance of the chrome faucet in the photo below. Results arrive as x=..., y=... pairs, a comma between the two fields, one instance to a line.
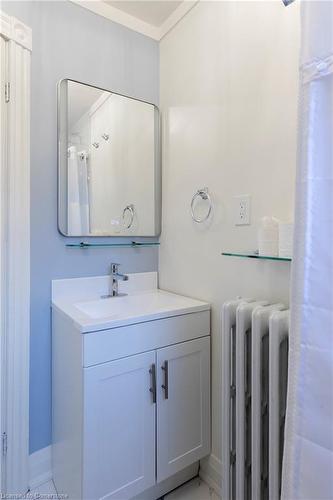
x=115, y=276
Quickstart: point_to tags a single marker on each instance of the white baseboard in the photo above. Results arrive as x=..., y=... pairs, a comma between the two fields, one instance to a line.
x=211, y=473
x=40, y=467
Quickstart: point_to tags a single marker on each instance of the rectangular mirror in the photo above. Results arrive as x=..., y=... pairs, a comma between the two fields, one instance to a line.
x=109, y=170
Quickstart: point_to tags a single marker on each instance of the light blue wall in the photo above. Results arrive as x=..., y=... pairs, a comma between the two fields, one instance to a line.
x=70, y=42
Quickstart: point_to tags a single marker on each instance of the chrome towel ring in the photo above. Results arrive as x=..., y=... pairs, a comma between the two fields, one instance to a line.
x=204, y=195
x=129, y=208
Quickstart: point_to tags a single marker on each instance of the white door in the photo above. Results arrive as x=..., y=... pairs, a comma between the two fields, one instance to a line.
x=183, y=405
x=3, y=162
x=15, y=56
x=119, y=428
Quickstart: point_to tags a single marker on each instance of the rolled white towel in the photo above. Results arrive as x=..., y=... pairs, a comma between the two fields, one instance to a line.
x=286, y=232
x=268, y=237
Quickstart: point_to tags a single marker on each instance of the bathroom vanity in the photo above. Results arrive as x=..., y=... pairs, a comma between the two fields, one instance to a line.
x=131, y=388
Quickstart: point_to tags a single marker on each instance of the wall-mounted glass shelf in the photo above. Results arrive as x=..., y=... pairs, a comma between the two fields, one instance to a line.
x=132, y=244
x=254, y=255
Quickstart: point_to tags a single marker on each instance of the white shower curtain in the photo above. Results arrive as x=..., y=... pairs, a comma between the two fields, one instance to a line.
x=73, y=196
x=84, y=191
x=77, y=192
x=308, y=458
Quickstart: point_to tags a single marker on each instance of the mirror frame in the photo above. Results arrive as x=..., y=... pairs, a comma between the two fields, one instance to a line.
x=62, y=159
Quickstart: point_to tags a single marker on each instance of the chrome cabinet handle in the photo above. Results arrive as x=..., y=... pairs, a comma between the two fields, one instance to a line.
x=152, y=389
x=165, y=386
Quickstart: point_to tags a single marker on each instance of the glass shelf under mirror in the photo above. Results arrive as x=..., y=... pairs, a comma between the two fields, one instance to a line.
x=132, y=244
x=254, y=255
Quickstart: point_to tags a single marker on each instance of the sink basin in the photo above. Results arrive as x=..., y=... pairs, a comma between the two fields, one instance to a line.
x=139, y=304
x=90, y=312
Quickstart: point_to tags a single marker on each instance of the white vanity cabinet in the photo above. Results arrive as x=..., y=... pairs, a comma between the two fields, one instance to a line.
x=183, y=405
x=125, y=423
x=119, y=428
x=131, y=404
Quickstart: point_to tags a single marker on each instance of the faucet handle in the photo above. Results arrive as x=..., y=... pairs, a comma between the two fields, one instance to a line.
x=114, y=267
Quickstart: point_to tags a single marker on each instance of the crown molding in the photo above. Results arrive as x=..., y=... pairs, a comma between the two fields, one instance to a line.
x=13, y=29
x=175, y=17
x=116, y=15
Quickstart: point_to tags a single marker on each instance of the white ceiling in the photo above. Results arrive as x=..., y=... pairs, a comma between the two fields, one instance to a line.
x=152, y=12
x=153, y=18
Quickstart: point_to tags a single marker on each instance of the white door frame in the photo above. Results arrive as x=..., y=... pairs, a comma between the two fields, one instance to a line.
x=15, y=254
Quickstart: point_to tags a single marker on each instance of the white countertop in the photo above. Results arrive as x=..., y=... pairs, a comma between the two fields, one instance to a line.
x=80, y=300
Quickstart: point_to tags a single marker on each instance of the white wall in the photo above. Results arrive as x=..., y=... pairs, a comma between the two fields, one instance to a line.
x=122, y=169
x=228, y=75
x=69, y=41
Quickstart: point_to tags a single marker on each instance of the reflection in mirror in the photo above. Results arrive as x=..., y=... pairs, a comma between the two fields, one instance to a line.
x=109, y=169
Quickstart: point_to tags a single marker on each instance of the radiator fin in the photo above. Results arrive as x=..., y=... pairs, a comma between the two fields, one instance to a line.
x=255, y=369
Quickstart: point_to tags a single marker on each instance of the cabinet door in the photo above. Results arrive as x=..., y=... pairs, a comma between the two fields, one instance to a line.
x=119, y=428
x=183, y=405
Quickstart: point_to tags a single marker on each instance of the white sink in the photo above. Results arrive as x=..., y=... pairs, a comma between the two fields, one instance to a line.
x=81, y=300
x=138, y=304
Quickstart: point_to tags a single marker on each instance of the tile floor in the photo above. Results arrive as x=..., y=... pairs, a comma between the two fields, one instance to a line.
x=46, y=490
x=194, y=490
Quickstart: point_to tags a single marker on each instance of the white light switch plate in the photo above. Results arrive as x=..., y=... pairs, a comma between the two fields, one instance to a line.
x=242, y=210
